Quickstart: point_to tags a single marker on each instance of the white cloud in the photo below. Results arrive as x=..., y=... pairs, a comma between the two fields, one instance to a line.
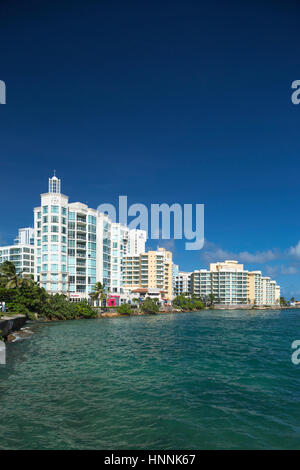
x=214, y=253
x=295, y=250
x=289, y=270
x=271, y=270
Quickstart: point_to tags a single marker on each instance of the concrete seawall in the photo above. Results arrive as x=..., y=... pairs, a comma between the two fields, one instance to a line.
x=10, y=324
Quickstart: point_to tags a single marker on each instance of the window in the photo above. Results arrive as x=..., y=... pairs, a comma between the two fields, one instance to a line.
x=54, y=238
x=54, y=267
x=54, y=209
x=92, y=219
x=45, y=209
x=71, y=216
x=54, y=219
x=45, y=228
x=63, y=211
x=54, y=228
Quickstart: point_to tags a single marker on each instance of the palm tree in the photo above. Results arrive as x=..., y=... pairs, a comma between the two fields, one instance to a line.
x=212, y=299
x=9, y=275
x=98, y=292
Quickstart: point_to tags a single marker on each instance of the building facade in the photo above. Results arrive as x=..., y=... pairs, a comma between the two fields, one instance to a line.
x=21, y=255
x=25, y=236
x=76, y=246
x=183, y=283
x=150, y=270
x=230, y=284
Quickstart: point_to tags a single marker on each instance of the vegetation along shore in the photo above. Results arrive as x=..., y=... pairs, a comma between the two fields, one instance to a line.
x=23, y=296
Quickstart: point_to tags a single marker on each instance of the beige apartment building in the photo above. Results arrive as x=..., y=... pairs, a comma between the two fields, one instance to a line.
x=231, y=284
x=150, y=270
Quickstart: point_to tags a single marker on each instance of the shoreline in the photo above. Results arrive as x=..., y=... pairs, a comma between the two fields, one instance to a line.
x=13, y=334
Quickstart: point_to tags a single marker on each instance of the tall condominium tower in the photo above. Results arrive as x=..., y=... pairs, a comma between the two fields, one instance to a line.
x=51, y=239
x=76, y=246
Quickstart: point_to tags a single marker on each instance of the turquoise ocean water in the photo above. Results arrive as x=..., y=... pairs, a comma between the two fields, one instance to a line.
x=207, y=380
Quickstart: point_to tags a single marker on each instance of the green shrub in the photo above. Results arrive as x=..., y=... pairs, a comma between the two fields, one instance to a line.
x=124, y=309
x=17, y=308
x=85, y=311
x=149, y=306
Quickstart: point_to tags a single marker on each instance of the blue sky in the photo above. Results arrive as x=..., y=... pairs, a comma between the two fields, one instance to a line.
x=186, y=102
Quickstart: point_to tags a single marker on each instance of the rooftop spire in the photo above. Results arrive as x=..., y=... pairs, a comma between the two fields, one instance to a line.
x=54, y=184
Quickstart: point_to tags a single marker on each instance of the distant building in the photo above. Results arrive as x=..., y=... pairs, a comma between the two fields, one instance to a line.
x=25, y=236
x=183, y=283
x=21, y=254
x=175, y=271
x=230, y=284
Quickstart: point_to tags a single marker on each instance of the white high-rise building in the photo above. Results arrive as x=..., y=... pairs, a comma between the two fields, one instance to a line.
x=51, y=239
x=76, y=246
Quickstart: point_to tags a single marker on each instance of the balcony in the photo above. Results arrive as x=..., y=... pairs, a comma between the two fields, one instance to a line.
x=80, y=262
x=81, y=228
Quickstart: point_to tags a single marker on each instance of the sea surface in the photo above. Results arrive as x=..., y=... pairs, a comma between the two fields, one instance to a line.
x=204, y=380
